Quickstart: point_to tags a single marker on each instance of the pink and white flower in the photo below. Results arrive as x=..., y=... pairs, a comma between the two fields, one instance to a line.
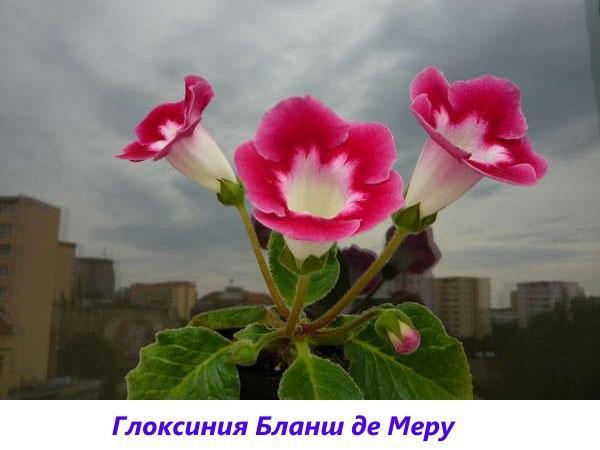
x=173, y=131
x=317, y=178
x=476, y=128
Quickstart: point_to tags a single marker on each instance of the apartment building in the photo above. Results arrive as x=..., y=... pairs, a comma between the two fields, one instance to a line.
x=177, y=296
x=463, y=304
x=538, y=297
x=94, y=281
x=29, y=265
x=6, y=345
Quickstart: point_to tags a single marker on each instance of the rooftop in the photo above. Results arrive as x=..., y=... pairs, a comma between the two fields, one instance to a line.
x=94, y=260
x=25, y=198
x=174, y=283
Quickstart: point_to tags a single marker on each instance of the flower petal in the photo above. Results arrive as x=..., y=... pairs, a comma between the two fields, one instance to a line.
x=431, y=83
x=378, y=203
x=260, y=180
x=438, y=179
x=262, y=233
x=306, y=227
x=299, y=122
x=303, y=249
x=495, y=101
x=148, y=131
x=370, y=146
x=199, y=158
x=422, y=110
x=198, y=94
x=136, y=152
x=526, y=167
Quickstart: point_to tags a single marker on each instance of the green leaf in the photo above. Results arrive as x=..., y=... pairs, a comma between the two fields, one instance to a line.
x=234, y=317
x=186, y=363
x=252, y=332
x=437, y=370
x=320, y=282
x=311, y=377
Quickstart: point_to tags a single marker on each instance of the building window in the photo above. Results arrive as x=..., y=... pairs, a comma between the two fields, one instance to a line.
x=3, y=271
x=3, y=292
x=6, y=229
x=4, y=249
x=7, y=208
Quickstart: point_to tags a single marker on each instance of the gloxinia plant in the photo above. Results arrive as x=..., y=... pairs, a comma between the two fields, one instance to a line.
x=312, y=179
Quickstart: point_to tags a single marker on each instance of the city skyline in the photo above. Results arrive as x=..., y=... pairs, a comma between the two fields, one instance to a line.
x=159, y=225
x=78, y=308
x=197, y=280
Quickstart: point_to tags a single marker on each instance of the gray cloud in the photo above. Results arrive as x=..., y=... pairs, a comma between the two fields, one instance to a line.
x=77, y=75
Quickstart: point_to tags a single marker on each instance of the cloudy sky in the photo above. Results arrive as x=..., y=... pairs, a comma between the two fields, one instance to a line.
x=77, y=75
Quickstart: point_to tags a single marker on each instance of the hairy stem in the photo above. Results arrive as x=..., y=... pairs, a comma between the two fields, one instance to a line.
x=262, y=264
x=344, y=330
x=360, y=284
x=301, y=289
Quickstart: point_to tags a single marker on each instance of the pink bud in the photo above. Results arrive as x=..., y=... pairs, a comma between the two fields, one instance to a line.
x=407, y=341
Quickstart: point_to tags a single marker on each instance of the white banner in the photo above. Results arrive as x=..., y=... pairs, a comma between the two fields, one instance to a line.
x=329, y=425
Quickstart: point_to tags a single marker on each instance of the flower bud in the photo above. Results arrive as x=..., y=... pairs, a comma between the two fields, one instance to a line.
x=395, y=326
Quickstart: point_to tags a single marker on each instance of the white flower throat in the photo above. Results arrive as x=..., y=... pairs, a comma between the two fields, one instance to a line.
x=468, y=135
x=321, y=190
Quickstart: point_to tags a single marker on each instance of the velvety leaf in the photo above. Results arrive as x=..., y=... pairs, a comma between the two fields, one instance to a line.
x=186, y=363
x=341, y=286
x=311, y=377
x=437, y=370
x=252, y=332
x=320, y=282
x=234, y=317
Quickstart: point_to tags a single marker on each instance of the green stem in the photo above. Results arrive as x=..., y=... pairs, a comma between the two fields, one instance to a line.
x=360, y=284
x=301, y=289
x=344, y=330
x=302, y=348
x=268, y=338
x=262, y=264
